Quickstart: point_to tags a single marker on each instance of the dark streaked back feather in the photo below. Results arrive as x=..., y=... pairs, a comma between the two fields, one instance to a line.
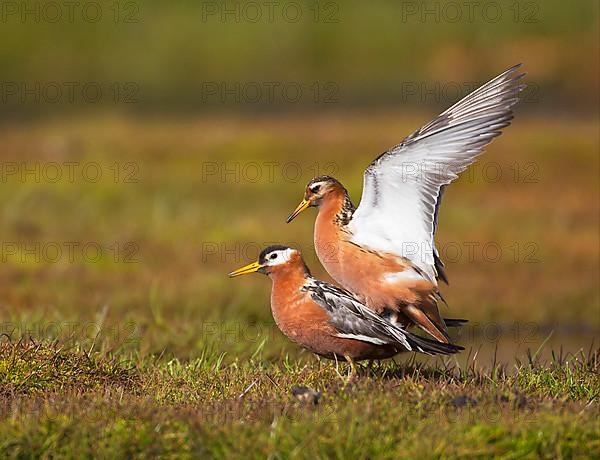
x=349, y=316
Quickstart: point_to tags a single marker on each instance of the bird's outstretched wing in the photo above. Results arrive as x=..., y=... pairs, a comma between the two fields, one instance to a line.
x=355, y=321
x=402, y=187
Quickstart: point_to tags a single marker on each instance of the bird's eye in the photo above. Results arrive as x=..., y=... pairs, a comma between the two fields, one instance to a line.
x=315, y=188
x=273, y=256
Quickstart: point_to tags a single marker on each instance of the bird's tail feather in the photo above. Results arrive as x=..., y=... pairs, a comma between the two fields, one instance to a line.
x=455, y=322
x=423, y=321
x=431, y=347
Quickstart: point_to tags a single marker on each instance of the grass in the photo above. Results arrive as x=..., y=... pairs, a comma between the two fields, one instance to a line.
x=28, y=368
x=164, y=407
x=165, y=356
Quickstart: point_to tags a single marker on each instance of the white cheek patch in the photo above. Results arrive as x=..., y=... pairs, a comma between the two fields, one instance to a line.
x=287, y=254
x=315, y=185
x=283, y=256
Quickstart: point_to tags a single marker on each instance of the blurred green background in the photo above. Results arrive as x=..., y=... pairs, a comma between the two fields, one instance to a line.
x=170, y=51
x=162, y=99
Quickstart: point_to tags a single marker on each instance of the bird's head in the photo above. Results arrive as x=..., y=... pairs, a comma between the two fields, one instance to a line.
x=316, y=192
x=272, y=260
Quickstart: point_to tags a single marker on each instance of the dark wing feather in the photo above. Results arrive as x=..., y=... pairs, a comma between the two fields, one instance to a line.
x=349, y=316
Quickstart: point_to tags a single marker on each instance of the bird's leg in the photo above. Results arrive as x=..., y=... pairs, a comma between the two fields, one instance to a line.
x=352, y=373
x=337, y=370
x=370, y=366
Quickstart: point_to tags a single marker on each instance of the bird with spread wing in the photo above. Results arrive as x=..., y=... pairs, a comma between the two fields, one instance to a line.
x=384, y=251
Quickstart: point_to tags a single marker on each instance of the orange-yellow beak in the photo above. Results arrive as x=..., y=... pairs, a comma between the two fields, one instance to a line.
x=301, y=207
x=250, y=268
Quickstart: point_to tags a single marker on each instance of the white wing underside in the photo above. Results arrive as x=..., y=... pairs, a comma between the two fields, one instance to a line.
x=398, y=208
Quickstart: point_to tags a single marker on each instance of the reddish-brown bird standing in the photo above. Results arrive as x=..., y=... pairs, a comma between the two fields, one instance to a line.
x=328, y=320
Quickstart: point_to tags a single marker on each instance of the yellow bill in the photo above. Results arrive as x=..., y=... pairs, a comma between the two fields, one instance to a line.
x=301, y=207
x=250, y=268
